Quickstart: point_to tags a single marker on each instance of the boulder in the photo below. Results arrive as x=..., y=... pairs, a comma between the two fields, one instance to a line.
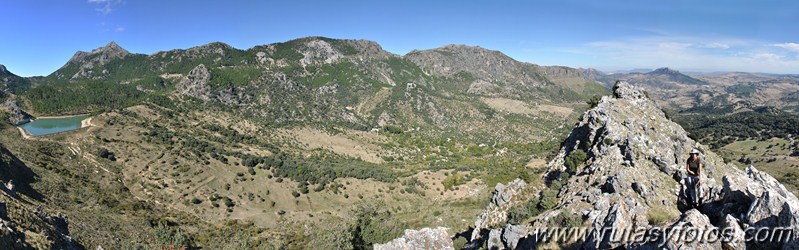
x=696, y=233
x=495, y=239
x=512, y=234
x=732, y=234
x=503, y=193
x=425, y=238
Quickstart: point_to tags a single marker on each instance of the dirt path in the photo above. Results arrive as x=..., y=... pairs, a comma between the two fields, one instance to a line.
x=59, y=116
x=25, y=134
x=202, y=183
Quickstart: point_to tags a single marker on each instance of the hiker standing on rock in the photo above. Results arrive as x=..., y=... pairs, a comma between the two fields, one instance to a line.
x=694, y=180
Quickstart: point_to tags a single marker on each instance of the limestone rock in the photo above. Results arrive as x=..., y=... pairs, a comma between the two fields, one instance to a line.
x=502, y=193
x=495, y=213
x=733, y=238
x=90, y=64
x=16, y=115
x=695, y=224
x=512, y=234
x=425, y=238
x=196, y=83
x=495, y=239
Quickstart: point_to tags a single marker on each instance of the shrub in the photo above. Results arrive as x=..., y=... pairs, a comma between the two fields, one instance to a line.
x=593, y=101
x=519, y=213
x=657, y=216
x=574, y=160
x=459, y=243
x=452, y=180
x=566, y=219
x=228, y=202
x=374, y=224
x=104, y=153
x=393, y=129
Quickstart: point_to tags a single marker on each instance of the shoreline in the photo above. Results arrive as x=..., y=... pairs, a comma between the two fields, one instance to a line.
x=24, y=133
x=59, y=116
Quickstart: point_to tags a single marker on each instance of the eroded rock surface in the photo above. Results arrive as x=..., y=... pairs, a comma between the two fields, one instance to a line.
x=425, y=238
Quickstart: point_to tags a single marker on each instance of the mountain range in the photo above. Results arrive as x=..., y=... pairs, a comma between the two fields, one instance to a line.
x=336, y=143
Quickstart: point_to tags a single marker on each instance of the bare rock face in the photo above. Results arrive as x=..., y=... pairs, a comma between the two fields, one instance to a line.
x=497, y=210
x=512, y=234
x=633, y=173
x=319, y=52
x=425, y=238
x=733, y=240
x=196, y=83
x=695, y=224
x=15, y=114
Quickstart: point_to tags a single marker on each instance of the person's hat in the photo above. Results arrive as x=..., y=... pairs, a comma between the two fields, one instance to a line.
x=694, y=151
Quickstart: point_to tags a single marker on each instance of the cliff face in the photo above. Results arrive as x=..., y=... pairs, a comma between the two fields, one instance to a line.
x=630, y=174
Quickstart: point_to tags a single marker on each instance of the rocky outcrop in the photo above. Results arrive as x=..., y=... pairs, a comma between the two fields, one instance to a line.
x=425, y=238
x=496, y=213
x=195, y=83
x=632, y=177
x=694, y=224
x=319, y=52
x=90, y=64
x=15, y=114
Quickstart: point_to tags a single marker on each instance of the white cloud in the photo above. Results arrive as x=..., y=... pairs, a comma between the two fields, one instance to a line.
x=120, y=29
x=716, y=45
x=105, y=6
x=789, y=46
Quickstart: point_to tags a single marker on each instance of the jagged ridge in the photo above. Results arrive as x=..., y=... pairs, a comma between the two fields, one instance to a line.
x=634, y=168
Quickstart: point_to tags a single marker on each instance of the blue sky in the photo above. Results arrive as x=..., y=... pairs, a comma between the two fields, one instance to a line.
x=39, y=36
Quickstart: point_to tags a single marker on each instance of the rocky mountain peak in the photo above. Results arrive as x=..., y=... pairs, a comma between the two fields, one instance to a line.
x=110, y=50
x=3, y=70
x=112, y=47
x=217, y=47
x=88, y=62
x=664, y=70
x=463, y=51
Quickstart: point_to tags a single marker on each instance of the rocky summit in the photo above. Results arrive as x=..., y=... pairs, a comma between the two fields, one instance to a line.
x=629, y=174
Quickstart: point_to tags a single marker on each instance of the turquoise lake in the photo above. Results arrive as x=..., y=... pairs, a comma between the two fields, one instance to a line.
x=46, y=126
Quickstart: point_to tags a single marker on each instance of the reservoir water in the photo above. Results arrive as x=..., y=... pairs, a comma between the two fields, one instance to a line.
x=46, y=126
